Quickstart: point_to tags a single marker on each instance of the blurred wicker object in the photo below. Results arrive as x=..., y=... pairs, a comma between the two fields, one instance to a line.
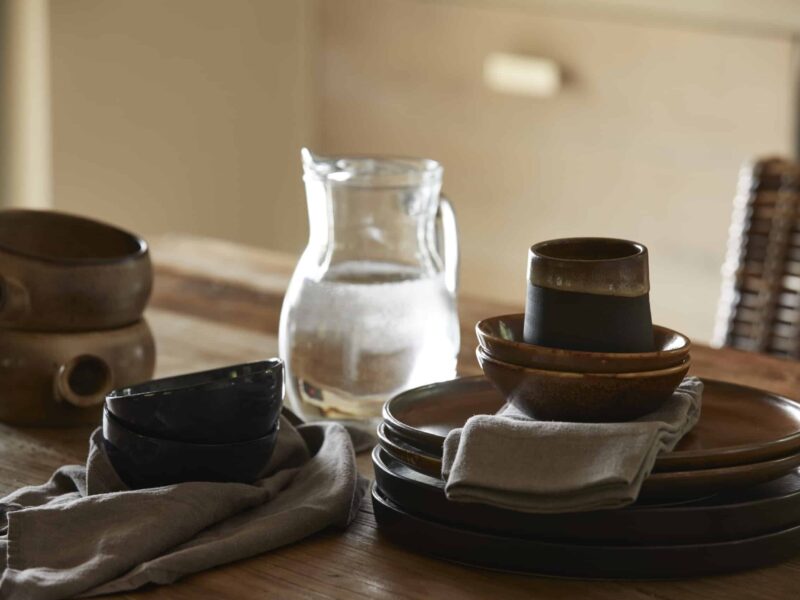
x=759, y=307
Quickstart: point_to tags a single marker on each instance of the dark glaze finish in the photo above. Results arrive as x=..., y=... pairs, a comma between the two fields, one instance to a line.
x=576, y=560
x=726, y=516
x=588, y=322
x=61, y=379
x=589, y=294
x=582, y=397
x=671, y=485
x=143, y=461
x=738, y=424
x=61, y=272
x=230, y=404
x=501, y=338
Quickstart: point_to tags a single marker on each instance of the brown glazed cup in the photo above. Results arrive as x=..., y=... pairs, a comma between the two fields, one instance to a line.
x=61, y=272
x=501, y=338
x=589, y=294
x=61, y=379
x=582, y=397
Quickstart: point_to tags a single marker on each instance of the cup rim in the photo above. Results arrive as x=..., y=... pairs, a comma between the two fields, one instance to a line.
x=626, y=275
x=536, y=249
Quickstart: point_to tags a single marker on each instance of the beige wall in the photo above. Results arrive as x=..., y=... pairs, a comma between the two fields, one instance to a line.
x=189, y=115
x=644, y=141
x=184, y=114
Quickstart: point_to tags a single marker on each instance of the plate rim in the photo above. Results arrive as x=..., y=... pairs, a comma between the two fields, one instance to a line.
x=680, y=460
x=376, y=458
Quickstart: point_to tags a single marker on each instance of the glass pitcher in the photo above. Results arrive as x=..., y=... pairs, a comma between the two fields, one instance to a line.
x=371, y=307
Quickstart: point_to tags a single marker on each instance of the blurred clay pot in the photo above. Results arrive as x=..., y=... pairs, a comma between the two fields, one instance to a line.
x=61, y=272
x=62, y=379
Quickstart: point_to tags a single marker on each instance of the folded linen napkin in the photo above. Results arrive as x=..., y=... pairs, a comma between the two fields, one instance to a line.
x=85, y=533
x=515, y=462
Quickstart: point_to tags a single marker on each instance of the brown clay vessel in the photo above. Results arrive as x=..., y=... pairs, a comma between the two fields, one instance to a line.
x=589, y=294
x=501, y=338
x=582, y=397
x=62, y=379
x=60, y=272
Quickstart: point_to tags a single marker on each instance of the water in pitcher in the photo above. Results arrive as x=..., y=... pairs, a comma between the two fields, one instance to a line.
x=394, y=328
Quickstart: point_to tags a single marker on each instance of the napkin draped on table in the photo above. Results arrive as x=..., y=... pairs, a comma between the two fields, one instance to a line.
x=85, y=533
x=514, y=462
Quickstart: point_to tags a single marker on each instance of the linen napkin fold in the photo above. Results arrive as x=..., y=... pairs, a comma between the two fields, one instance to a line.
x=84, y=533
x=514, y=462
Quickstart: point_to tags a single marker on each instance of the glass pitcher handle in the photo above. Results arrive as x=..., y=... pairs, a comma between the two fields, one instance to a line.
x=448, y=243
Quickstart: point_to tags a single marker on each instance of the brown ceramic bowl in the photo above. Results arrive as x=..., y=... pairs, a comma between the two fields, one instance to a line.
x=501, y=338
x=61, y=379
x=582, y=397
x=61, y=272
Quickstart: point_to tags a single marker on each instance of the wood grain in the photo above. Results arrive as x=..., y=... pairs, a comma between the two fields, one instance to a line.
x=205, y=315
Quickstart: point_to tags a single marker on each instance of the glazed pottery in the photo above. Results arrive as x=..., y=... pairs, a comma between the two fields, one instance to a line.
x=583, y=397
x=143, y=461
x=739, y=513
x=589, y=294
x=501, y=338
x=563, y=559
x=231, y=404
x=666, y=486
x=61, y=272
x=61, y=379
x=738, y=425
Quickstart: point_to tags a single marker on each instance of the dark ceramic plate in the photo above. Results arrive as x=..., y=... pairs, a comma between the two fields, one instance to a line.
x=670, y=485
x=738, y=514
x=577, y=560
x=227, y=405
x=143, y=461
x=738, y=425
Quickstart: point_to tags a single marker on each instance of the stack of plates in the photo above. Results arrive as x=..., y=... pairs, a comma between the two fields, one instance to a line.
x=727, y=498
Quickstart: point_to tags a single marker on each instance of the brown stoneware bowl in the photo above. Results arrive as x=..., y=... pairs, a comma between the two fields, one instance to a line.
x=582, y=397
x=501, y=338
x=62, y=379
x=61, y=272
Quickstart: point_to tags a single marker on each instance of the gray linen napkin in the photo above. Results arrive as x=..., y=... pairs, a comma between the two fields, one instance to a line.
x=85, y=533
x=514, y=462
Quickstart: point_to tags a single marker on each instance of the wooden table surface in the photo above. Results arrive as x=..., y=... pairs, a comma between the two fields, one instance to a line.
x=217, y=303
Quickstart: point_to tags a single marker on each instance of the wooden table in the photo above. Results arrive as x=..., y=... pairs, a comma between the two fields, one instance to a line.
x=216, y=303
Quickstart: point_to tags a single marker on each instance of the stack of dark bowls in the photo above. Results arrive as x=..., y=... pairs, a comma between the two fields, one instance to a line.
x=218, y=425
x=72, y=296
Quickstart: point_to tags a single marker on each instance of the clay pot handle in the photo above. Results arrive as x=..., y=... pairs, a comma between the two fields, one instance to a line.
x=84, y=381
x=14, y=300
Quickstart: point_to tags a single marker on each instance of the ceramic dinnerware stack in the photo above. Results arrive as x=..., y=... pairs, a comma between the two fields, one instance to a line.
x=72, y=295
x=574, y=385
x=727, y=497
x=218, y=425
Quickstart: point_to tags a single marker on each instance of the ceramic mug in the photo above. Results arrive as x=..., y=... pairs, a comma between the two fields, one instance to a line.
x=62, y=378
x=590, y=294
x=61, y=272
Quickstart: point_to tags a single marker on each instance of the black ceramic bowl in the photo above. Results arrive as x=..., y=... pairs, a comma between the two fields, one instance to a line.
x=143, y=461
x=231, y=404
